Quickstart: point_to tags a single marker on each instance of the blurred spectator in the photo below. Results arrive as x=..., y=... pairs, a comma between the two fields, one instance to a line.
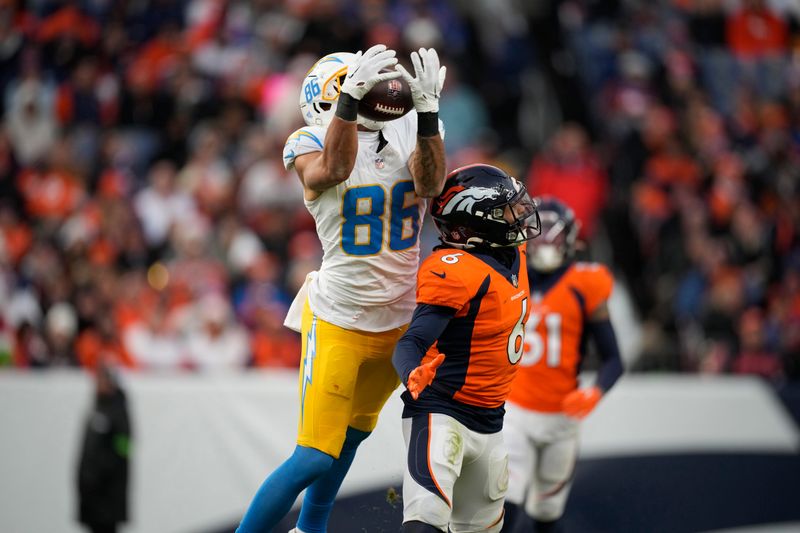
x=214, y=341
x=569, y=170
x=463, y=113
x=99, y=344
x=30, y=349
x=31, y=121
x=207, y=176
x=161, y=204
x=55, y=191
x=267, y=185
x=272, y=344
x=754, y=356
x=154, y=342
x=193, y=267
x=15, y=235
x=759, y=38
x=754, y=31
x=88, y=97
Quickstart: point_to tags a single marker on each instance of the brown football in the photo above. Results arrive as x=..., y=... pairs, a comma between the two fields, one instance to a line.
x=387, y=100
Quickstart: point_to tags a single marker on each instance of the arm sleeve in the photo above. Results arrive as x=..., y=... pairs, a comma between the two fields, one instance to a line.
x=611, y=363
x=428, y=322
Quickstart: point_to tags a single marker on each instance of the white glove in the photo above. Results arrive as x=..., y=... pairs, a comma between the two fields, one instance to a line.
x=365, y=71
x=427, y=86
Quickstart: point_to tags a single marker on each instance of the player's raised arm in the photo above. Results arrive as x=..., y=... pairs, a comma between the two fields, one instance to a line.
x=427, y=163
x=322, y=170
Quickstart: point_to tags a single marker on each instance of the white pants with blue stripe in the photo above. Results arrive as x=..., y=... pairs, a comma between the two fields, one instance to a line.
x=455, y=477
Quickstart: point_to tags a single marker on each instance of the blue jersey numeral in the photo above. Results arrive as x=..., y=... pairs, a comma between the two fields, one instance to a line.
x=311, y=90
x=363, y=209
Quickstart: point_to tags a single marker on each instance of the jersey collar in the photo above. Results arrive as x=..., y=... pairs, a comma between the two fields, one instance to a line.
x=510, y=274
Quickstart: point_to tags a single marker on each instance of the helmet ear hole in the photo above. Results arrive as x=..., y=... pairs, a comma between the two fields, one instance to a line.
x=325, y=106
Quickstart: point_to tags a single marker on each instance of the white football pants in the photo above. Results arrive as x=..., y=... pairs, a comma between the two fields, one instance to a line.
x=454, y=476
x=542, y=450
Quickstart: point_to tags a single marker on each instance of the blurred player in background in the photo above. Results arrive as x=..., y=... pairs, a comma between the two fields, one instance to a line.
x=364, y=183
x=568, y=303
x=461, y=350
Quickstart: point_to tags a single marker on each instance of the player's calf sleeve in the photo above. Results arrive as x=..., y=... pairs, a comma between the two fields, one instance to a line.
x=319, y=498
x=512, y=516
x=416, y=526
x=276, y=495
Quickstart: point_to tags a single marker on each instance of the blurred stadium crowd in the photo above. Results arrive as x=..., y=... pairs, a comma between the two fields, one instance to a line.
x=145, y=215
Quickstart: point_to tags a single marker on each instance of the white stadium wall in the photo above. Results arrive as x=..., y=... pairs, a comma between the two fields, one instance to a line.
x=203, y=443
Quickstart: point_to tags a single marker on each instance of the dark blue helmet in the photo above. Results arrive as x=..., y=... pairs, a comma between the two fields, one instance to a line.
x=482, y=205
x=559, y=232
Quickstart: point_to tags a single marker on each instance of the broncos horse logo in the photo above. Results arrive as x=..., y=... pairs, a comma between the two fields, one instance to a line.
x=463, y=199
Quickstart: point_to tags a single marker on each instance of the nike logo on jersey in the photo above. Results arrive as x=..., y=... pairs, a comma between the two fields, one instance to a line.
x=441, y=275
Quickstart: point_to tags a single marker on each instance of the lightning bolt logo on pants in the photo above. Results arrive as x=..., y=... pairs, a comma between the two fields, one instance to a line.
x=308, y=362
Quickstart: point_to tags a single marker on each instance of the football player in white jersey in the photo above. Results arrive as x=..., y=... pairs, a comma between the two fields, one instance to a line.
x=365, y=184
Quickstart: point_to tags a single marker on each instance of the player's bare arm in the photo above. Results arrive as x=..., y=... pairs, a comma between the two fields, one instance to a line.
x=322, y=170
x=319, y=171
x=427, y=163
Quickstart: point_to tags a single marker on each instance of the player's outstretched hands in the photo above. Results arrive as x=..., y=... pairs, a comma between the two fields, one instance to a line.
x=581, y=402
x=365, y=71
x=427, y=86
x=423, y=375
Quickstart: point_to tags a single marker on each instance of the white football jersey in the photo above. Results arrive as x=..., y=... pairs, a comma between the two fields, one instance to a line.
x=369, y=228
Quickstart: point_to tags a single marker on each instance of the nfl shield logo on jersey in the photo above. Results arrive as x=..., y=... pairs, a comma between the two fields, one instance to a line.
x=379, y=163
x=514, y=280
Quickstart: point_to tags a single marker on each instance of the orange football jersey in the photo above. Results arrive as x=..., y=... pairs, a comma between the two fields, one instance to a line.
x=484, y=341
x=554, y=335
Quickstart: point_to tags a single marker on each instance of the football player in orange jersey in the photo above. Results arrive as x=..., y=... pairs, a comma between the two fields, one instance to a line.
x=460, y=353
x=568, y=303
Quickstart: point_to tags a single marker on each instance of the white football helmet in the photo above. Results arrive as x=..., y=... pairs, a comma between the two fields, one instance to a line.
x=319, y=92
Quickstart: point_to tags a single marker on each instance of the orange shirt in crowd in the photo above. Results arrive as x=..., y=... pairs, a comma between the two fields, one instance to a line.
x=17, y=240
x=581, y=184
x=281, y=349
x=50, y=194
x=70, y=22
x=753, y=33
x=90, y=347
